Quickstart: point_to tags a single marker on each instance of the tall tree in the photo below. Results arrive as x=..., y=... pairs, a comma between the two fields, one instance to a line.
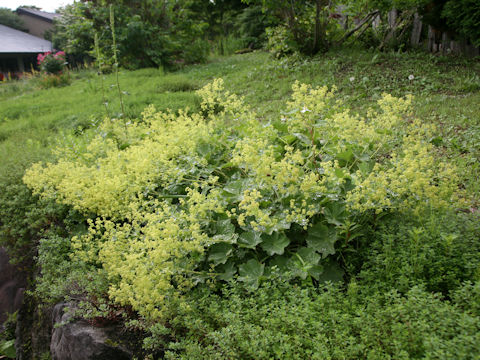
x=11, y=19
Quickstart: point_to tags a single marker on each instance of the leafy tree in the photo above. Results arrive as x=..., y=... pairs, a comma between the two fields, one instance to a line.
x=148, y=32
x=11, y=19
x=307, y=21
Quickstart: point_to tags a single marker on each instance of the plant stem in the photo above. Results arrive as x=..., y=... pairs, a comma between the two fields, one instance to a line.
x=114, y=48
x=100, y=72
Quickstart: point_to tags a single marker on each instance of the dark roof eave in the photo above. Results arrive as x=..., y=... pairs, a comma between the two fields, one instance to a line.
x=23, y=12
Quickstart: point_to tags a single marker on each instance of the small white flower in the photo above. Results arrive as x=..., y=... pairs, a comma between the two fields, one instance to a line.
x=304, y=110
x=352, y=79
x=283, y=119
x=411, y=77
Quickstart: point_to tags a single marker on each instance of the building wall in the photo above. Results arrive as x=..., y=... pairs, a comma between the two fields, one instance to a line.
x=36, y=26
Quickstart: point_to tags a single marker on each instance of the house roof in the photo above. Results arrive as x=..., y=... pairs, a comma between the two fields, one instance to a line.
x=18, y=42
x=38, y=14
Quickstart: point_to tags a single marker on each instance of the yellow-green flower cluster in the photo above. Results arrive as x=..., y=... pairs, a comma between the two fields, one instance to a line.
x=309, y=105
x=412, y=179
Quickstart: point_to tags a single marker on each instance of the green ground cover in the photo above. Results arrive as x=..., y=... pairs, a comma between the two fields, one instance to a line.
x=392, y=270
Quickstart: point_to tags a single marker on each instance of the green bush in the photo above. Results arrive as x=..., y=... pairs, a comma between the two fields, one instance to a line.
x=279, y=321
x=280, y=41
x=439, y=253
x=11, y=19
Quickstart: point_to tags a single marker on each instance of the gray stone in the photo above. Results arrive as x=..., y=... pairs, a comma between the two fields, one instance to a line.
x=12, y=285
x=79, y=340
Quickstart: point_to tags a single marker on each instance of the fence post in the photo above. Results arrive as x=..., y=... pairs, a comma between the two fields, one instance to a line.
x=417, y=30
x=431, y=39
x=446, y=43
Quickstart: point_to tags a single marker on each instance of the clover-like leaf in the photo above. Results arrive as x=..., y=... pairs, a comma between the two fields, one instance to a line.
x=305, y=263
x=225, y=231
x=315, y=271
x=308, y=255
x=224, y=227
x=335, y=213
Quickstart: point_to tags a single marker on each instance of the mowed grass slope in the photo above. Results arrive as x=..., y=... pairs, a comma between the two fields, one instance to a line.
x=446, y=90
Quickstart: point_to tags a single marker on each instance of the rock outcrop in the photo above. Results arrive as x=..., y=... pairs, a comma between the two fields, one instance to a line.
x=79, y=340
x=12, y=285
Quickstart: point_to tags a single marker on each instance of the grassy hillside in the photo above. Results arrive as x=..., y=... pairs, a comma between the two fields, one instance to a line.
x=447, y=93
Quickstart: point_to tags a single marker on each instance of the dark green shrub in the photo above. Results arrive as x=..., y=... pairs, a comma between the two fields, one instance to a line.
x=440, y=253
x=11, y=19
x=279, y=321
x=463, y=17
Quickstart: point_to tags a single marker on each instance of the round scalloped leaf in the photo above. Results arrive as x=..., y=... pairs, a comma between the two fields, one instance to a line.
x=249, y=239
x=250, y=272
x=275, y=243
x=219, y=253
x=321, y=238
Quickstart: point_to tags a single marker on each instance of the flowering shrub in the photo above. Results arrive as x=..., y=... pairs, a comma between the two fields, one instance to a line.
x=52, y=63
x=174, y=200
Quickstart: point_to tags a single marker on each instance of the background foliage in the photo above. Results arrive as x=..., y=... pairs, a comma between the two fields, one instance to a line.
x=11, y=19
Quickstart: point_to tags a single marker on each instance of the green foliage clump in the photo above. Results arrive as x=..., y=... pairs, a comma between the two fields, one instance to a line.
x=463, y=16
x=146, y=34
x=11, y=19
x=24, y=218
x=280, y=42
x=176, y=200
x=52, y=80
x=279, y=321
x=439, y=253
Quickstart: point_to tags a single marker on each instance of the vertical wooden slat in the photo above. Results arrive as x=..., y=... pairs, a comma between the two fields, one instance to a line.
x=417, y=30
x=431, y=39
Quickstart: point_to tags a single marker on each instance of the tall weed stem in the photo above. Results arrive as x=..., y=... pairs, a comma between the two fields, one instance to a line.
x=100, y=72
x=115, y=58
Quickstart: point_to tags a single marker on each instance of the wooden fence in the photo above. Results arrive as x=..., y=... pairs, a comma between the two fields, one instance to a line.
x=435, y=41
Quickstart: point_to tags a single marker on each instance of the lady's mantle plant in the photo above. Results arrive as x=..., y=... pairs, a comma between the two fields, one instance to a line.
x=173, y=200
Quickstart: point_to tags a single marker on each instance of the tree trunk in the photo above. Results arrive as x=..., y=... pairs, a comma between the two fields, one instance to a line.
x=319, y=36
x=316, y=36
